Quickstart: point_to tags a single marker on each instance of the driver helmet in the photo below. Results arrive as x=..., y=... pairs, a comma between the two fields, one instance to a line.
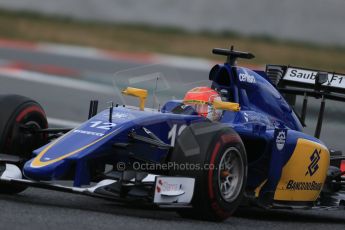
x=201, y=99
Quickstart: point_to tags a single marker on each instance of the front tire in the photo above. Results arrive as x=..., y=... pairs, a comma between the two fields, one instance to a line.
x=221, y=178
x=18, y=111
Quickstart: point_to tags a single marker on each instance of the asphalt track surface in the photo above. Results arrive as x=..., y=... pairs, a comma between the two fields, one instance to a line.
x=40, y=209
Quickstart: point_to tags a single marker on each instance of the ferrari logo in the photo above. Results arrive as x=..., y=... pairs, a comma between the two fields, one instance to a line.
x=313, y=167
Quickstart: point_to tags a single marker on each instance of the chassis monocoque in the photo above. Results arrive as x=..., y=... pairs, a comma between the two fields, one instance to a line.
x=255, y=154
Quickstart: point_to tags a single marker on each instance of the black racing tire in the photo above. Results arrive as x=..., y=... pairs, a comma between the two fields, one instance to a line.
x=209, y=144
x=17, y=111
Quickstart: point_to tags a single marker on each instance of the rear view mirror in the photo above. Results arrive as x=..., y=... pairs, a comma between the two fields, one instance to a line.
x=222, y=105
x=136, y=92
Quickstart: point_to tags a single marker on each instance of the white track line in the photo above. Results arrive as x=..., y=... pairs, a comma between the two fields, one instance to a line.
x=112, y=55
x=62, y=123
x=154, y=58
x=56, y=81
x=71, y=50
x=183, y=62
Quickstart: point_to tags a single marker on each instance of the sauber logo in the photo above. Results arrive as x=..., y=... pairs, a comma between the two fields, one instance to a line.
x=280, y=140
x=313, y=167
x=308, y=76
x=303, y=74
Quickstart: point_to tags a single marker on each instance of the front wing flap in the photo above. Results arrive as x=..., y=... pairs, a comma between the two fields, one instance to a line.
x=156, y=190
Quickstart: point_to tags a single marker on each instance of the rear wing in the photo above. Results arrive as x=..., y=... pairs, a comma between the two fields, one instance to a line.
x=292, y=81
x=296, y=77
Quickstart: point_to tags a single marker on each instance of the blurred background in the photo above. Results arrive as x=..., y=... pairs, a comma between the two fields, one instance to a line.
x=64, y=53
x=307, y=32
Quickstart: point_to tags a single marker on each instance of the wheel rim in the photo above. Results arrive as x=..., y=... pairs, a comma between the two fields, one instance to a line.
x=230, y=174
x=25, y=139
x=33, y=124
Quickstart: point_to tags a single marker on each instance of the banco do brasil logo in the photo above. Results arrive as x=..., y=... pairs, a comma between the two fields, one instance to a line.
x=313, y=166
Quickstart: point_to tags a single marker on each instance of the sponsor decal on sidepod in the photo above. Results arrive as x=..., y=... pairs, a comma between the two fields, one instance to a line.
x=312, y=168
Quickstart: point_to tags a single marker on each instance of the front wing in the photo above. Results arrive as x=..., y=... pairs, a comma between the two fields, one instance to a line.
x=146, y=189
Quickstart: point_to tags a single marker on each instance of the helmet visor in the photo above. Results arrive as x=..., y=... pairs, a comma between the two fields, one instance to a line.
x=201, y=107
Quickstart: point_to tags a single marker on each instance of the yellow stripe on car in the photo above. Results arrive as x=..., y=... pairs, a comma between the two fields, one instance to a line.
x=36, y=163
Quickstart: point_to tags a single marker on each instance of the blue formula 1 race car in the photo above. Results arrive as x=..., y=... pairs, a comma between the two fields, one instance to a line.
x=237, y=142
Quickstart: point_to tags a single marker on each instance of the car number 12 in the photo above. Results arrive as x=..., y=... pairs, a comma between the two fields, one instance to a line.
x=102, y=125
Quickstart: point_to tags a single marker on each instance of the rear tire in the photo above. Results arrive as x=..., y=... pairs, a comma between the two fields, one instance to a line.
x=219, y=188
x=17, y=111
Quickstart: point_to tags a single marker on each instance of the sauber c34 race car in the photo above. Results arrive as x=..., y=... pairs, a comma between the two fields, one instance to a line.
x=250, y=151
